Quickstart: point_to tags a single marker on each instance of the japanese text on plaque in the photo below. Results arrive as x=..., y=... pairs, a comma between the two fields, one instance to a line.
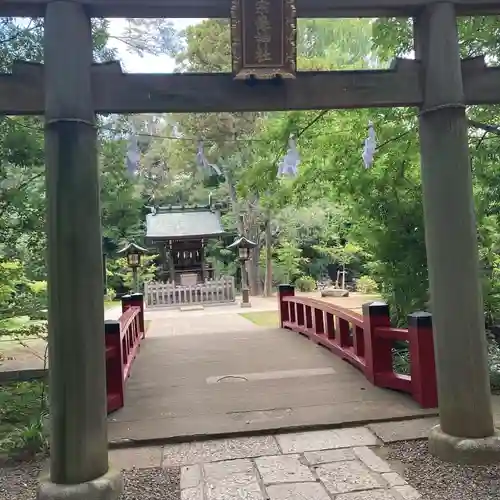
x=262, y=31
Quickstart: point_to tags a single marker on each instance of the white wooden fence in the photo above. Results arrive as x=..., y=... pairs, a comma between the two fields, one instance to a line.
x=210, y=292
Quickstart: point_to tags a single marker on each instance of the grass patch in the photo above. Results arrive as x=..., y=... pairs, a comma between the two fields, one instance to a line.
x=22, y=409
x=267, y=319
x=109, y=304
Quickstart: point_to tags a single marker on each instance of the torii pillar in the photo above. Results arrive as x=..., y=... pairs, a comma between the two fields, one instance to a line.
x=466, y=432
x=79, y=450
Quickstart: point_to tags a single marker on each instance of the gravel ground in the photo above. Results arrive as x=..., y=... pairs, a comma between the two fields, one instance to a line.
x=436, y=480
x=19, y=483
x=152, y=484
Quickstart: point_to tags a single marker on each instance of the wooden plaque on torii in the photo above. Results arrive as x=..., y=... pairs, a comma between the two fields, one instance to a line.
x=263, y=39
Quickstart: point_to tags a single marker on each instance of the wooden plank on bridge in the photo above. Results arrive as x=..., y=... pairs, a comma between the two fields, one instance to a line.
x=192, y=9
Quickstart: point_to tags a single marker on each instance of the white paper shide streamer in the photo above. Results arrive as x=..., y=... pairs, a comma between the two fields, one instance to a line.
x=370, y=146
x=288, y=167
x=133, y=155
x=202, y=162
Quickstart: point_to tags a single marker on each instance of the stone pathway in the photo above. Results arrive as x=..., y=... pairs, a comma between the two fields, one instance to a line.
x=319, y=465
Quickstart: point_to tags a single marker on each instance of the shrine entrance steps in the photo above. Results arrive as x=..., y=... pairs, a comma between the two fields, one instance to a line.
x=205, y=375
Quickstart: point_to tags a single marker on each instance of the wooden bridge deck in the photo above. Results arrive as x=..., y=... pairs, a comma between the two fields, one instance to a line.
x=205, y=373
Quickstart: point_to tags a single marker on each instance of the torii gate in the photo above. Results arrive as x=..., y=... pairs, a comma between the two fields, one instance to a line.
x=69, y=90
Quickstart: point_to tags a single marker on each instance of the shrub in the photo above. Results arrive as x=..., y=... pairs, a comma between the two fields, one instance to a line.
x=367, y=285
x=306, y=284
x=23, y=326
x=23, y=407
x=494, y=366
x=401, y=363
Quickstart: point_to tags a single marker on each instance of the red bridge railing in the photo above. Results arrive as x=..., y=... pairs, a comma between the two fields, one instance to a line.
x=366, y=341
x=123, y=339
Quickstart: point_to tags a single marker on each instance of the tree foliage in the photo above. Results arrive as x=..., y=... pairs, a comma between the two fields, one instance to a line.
x=336, y=214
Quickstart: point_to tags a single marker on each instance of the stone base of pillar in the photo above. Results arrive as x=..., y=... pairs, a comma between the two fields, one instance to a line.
x=466, y=451
x=245, y=297
x=107, y=487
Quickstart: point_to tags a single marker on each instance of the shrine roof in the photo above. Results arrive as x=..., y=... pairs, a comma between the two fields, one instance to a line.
x=183, y=222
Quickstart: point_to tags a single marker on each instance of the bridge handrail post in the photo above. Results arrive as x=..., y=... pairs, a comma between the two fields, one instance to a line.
x=114, y=365
x=135, y=300
x=378, y=351
x=283, y=307
x=422, y=359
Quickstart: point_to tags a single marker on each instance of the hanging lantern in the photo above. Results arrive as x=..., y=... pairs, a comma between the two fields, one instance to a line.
x=263, y=38
x=370, y=146
x=288, y=167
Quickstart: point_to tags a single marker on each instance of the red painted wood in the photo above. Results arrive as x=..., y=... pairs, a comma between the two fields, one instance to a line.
x=344, y=333
x=378, y=351
x=308, y=314
x=114, y=379
x=395, y=381
x=299, y=311
x=392, y=333
x=366, y=341
x=330, y=325
x=135, y=300
x=319, y=321
x=359, y=341
x=284, y=308
x=422, y=360
x=123, y=339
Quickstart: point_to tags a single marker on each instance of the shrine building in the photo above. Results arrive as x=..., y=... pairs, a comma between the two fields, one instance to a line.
x=180, y=234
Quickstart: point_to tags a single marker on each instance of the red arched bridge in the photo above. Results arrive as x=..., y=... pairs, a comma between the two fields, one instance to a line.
x=212, y=372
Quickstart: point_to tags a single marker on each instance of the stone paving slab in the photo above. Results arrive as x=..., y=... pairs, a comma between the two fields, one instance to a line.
x=324, y=440
x=368, y=495
x=343, y=477
x=284, y=469
x=136, y=458
x=215, y=450
x=391, y=432
x=298, y=491
x=191, y=476
x=407, y=492
x=329, y=456
x=192, y=494
x=231, y=480
x=372, y=461
x=259, y=469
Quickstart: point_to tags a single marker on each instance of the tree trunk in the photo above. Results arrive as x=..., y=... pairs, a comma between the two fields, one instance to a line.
x=268, y=286
x=253, y=271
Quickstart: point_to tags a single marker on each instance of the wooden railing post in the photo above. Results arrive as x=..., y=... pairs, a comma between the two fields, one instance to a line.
x=135, y=300
x=284, y=291
x=114, y=365
x=378, y=351
x=422, y=360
